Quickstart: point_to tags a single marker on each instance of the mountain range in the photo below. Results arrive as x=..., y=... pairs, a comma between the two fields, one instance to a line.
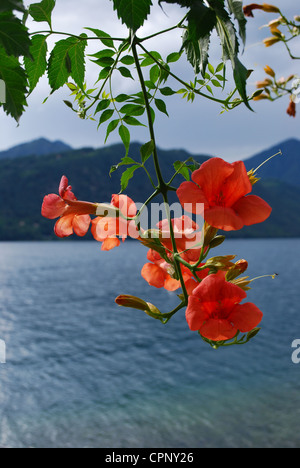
x=28, y=172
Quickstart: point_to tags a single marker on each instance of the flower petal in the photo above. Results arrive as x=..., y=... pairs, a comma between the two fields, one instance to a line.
x=245, y=317
x=223, y=218
x=211, y=176
x=195, y=313
x=64, y=226
x=237, y=185
x=171, y=284
x=110, y=243
x=252, y=210
x=154, y=275
x=81, y=224
x=218, y=330
x=191, y=198
x=53, y=206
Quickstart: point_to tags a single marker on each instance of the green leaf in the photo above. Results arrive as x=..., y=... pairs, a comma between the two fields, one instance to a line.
x=42, y=11
x=174, y=57
x=133, y=12
x=154, y=74
x=127, y=175
x=104, y=104
x=106, y=115
x=125, y=137
x=36, y=68
x=67, y=59
x=182, y=169
x=104, y=62
x=14, y=35
x=104, y=53
x=102, y=36
x=111, y=127
x=196, y=40
x=132, y=109
x=167, y=91
x=125, y=72
x=211, y=69
x=104, y=73
x=127, y=60
x=146, y=150
x=161, y=106
x=9, y=5
x=132, y=121
x=236, y=8
x=15, y=80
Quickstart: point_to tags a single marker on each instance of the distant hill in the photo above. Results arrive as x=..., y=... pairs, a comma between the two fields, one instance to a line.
x=24, y=181
x=285, y=168
x=38, y=147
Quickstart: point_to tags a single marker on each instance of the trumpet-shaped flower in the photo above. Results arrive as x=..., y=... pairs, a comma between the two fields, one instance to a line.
x=73, y=214
x=215, y=311
x=108, y=229
x=222, y=188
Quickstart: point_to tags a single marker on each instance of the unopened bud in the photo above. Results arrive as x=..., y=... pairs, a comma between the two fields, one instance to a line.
x=269, y=71
x=271, y=41
x=222, y=263
x=218, y=240
x=270, y=8
x=235, y=271
x=132, y=302
x=209, y=234
x=264, y=84
x=297, y=18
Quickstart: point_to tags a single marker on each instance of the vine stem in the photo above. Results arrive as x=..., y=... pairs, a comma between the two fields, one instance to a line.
x=163, y=187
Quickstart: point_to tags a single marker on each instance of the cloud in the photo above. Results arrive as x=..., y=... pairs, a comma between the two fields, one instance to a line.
x=196, y=127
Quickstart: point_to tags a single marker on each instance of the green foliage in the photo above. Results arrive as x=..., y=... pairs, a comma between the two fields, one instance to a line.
x=133, y=12
x=36, y=67
x=41, y=12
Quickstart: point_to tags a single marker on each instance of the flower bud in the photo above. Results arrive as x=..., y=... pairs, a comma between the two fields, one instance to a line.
x=297, y=18
x=271, y=41
x=260, y=97
x=291, y=110
x=270, y=8
x=269, y=71
x=209, y=234
x=222, y=263
x=235, y=271
x=264, y=84
x=218, y=240
x=132, y=302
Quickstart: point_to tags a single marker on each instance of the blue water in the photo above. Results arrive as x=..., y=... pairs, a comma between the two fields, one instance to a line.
x=82, y=372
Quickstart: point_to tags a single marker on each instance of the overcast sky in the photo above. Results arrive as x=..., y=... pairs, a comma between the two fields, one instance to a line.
x=198, y=127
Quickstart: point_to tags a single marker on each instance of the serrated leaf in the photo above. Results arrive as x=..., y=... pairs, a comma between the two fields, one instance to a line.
x=125, y=137
x=67, y=59
x=104, y=62
x=236, y=8
x=14, y=36
x=36, y=67
x=15, y=80
x=104, y=53
x=133, y=12
x=146, y=150
x=42, y=11
x=127, y=175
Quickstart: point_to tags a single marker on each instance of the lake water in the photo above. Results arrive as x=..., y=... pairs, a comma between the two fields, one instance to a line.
x=83, y=372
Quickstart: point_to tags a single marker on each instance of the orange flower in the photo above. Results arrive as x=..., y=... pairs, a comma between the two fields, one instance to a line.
x=215, y=311
x=159, y=273
x=248, y=10
x=271, y=41
x=222, y=188
x=108, y=229
x=73, y=214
